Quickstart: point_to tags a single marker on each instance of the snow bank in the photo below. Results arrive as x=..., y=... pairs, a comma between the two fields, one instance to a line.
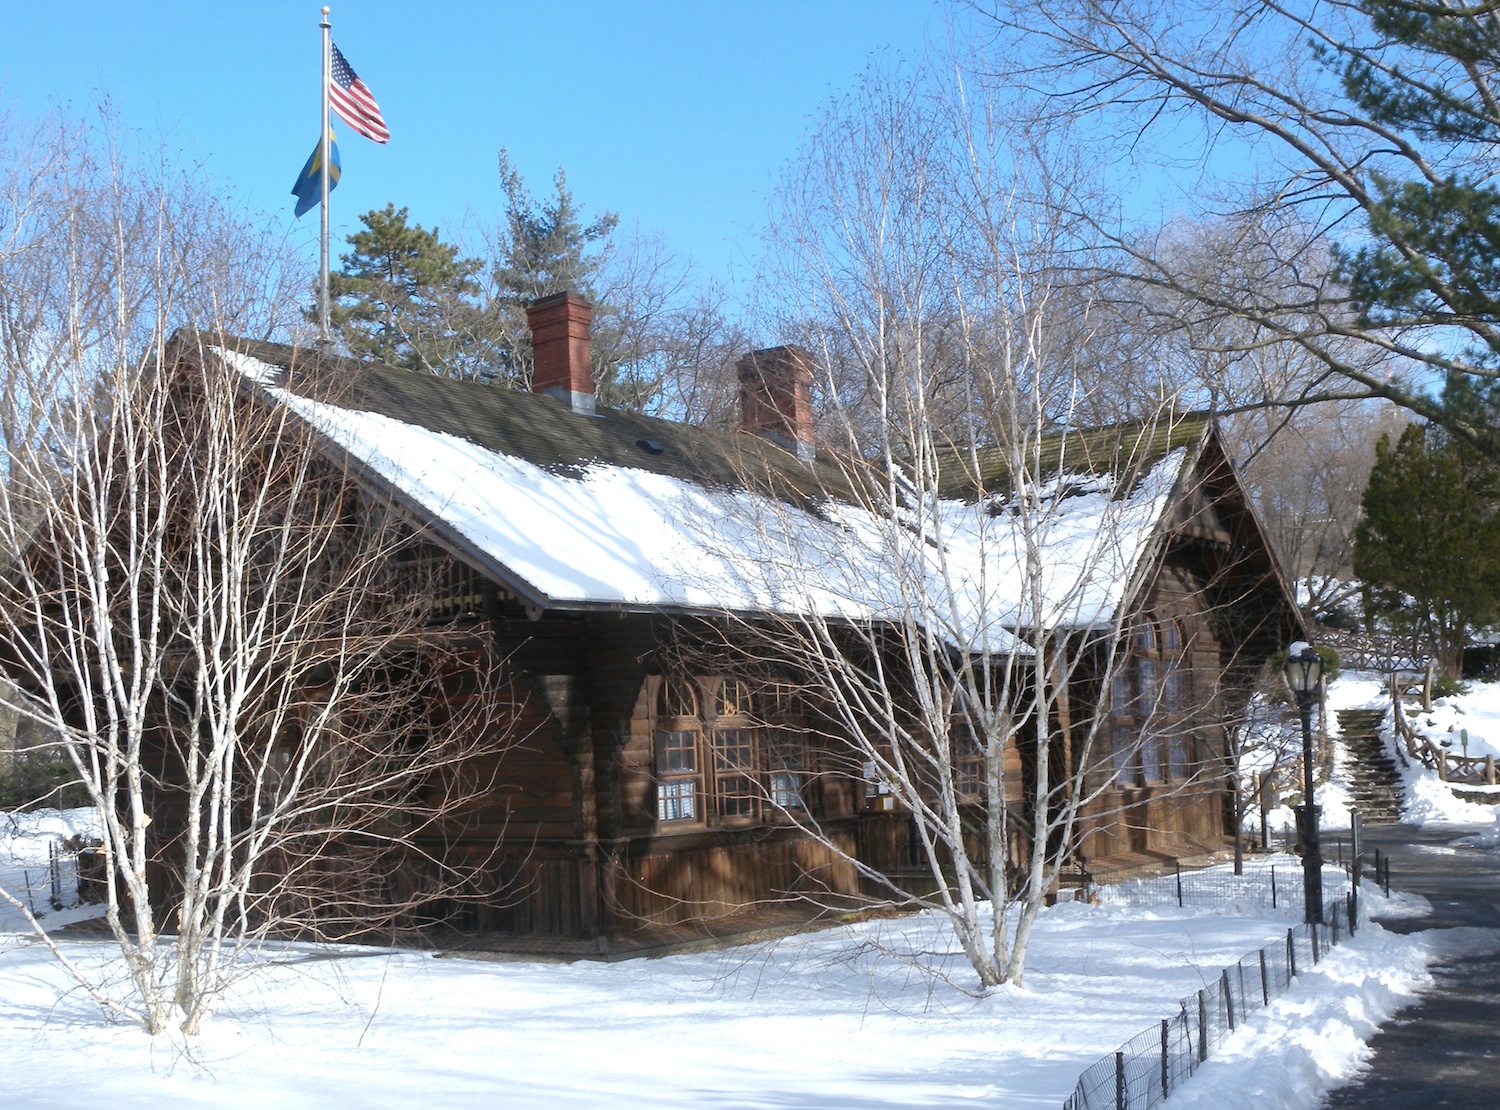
x=1316, y=1037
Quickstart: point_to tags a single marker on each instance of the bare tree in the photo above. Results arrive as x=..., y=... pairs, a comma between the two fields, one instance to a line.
x=1334, y=150
x=1307, y=471
x=995, y=550
x=231, y=637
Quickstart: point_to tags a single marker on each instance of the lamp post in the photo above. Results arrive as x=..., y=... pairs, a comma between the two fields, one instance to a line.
x=1303, y=672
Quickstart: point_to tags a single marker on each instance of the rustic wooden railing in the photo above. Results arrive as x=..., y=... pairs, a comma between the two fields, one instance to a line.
x=1470, y=770
x=1375, y=651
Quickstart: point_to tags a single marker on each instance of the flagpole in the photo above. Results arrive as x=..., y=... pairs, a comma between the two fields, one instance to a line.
x=324, y=162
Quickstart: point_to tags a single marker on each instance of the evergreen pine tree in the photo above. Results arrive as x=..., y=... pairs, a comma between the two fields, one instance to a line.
x=1428, y=546
x=548, y=247
x=404, y=296
x=1434, y=254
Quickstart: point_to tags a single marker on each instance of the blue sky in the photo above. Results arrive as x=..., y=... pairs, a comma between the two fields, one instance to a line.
x=675, y=114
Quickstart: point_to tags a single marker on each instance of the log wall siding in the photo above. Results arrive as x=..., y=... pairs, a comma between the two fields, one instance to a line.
x=663, y=884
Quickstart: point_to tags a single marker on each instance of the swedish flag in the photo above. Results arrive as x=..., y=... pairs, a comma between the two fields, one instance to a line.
x=308, y=190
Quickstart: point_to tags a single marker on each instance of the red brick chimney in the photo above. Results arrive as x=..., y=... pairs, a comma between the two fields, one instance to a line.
x=560, y=327
x=775, y=398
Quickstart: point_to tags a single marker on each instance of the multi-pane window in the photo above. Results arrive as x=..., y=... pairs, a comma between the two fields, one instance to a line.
x=1149, y=695
x=679, y=785
x=787, y=764
x=968, y=757
x=746, y=763
x=735, y=764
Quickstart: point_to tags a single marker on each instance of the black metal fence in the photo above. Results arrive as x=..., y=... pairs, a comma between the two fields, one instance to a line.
x=1144, y=1070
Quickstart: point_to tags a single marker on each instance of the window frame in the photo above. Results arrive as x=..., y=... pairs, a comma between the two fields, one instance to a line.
x=1149, y=698
x=752, y=763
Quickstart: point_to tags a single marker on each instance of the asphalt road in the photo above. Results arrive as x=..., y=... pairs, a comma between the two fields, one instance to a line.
x=1445, y=1052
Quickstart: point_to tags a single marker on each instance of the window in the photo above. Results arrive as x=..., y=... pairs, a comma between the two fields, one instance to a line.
x=730, y=765
x=1148, y=696
x=678, y=783
x=734, y=772
x=968, y=757
x=786, y=752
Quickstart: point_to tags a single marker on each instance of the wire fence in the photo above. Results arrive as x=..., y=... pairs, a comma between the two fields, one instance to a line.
x=51, y=885
x=1144, y=1070
x=1265, y=884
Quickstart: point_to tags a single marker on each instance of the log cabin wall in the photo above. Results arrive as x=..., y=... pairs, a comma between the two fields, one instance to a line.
x=1216, y=593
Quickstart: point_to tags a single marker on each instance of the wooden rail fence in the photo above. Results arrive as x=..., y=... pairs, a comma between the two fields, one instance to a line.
x=1450, y=767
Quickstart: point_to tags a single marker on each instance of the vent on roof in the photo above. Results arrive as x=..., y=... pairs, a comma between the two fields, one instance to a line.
x=650, y=445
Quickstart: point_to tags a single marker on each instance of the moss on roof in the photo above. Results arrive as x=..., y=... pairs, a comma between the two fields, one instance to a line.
x=1130, y=448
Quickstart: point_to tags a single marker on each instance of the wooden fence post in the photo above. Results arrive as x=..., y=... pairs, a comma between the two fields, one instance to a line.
x=1228, y=999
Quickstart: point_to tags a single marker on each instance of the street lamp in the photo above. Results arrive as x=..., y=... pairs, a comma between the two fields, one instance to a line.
x=1303, y=672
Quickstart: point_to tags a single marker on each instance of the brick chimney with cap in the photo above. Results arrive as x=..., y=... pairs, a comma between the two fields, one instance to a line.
x=775, y=398
x=560, y=326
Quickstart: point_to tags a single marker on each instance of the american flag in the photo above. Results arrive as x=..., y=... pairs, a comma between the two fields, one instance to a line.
x=352, y=99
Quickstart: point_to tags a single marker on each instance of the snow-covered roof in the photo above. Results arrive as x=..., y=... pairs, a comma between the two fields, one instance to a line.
x=638, y=513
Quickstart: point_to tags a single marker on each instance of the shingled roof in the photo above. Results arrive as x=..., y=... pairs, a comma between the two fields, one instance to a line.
x=618, y=510
x=536, y=428
x=1128, y=449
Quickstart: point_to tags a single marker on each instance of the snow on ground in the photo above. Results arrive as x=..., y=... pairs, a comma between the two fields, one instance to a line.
x=849, y=1017
x=24, y=870
x=840, y=1018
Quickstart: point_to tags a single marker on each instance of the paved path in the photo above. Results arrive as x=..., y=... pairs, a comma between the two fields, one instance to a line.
x=1446, y=1051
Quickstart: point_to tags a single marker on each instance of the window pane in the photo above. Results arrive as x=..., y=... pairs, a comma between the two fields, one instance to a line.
x=1179, y=754
x=676, y=698
x=677, y=800
x=734, y=700
x=778, y=702
x=1171, y=690
x=786, y=758
x=1122, y=748
x=1151, y=753
x=734, y=772
x=1147, y=671
x=968, y=760
x=676, y=751
x=786, y=789
x=734, y=748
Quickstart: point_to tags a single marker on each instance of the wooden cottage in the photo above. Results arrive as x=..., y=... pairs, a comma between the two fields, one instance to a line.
x=588, y=547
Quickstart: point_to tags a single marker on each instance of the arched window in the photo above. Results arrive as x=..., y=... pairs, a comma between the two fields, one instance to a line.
x=1146, y=701
x=737, y=760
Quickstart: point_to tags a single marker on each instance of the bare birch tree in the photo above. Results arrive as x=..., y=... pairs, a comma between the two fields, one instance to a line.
x=920, y=247
x=230, y=637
